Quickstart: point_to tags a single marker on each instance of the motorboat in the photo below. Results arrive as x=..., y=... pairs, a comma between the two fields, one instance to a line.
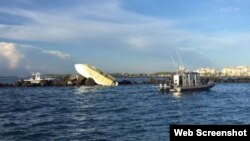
x=186, y=81
x=100, y=77
x=37, y=78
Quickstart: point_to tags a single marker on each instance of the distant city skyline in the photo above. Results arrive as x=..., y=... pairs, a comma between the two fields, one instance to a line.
x=122, y=36
x=238, y=71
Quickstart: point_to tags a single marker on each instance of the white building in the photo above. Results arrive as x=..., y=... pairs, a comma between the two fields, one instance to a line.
x=206, y=71
x=236, y=71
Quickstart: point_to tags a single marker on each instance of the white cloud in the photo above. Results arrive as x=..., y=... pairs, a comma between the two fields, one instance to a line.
x=108, y=25
x=79, y=23
x=9, y=53
x=230, y=9
x=20, y=59
x=138, y=43
x=57, y=53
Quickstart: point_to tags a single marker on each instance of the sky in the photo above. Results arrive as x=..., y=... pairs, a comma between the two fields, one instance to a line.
x=134, y=36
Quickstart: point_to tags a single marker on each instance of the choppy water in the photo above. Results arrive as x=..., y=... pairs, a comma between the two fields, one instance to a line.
x=136, y=112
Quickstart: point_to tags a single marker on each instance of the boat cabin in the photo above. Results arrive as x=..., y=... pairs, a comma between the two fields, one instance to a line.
x=187, y=79
x=36, y=76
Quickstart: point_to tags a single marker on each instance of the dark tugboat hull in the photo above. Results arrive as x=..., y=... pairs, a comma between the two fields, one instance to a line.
x=194, y=88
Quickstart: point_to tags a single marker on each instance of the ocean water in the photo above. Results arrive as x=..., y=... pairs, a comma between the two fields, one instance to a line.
x=135, y=112
x=8, y=79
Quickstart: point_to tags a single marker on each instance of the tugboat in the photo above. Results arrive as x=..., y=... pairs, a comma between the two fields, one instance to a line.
x=186, y=81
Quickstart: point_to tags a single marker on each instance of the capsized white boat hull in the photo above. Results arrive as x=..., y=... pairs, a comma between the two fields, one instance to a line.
x=83, y=70
x=100, y=77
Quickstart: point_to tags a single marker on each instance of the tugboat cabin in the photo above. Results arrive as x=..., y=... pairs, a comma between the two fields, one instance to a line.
x=187, y=79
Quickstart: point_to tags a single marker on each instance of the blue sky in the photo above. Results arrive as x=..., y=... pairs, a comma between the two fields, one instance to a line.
x=122, y=35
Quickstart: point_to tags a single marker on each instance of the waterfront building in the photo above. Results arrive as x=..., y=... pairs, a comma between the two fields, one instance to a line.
x=239, y=71
x=206, y=71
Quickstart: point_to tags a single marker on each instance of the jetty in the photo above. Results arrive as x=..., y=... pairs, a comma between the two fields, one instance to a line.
x=65, y=80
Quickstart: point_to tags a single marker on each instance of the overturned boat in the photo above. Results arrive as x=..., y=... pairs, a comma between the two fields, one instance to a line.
x=187, y=81
x=100, y=77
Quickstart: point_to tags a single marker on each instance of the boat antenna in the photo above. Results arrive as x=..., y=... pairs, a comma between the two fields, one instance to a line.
x=180, y=59
x=172, y=60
